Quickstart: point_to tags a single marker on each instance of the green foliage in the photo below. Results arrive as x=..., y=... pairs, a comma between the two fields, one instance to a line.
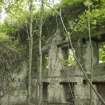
x=96, y=16
x=71, y=60
x=71, y=2
x=102, y=53
x=17, y=22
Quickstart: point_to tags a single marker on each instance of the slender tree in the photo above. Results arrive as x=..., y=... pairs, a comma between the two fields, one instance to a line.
x=30, y=52
x=40, y=52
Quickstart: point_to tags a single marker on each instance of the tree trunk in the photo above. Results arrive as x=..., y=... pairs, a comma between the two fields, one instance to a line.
x=30, y=54
x=40, y=53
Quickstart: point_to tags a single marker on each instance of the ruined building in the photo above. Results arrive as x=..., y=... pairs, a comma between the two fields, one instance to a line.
x=61, y=84
x=67, y=84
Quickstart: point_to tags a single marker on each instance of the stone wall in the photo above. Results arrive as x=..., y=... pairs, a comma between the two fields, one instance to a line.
x=17, y=89
x=55, y=65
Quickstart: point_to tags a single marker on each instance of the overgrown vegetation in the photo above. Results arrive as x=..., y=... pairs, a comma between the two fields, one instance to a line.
x=15, y=28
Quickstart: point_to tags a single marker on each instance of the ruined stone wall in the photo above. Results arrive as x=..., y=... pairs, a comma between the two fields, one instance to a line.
x=17, y=90
x=55, y=65
x=58, y=92
x=83, y=92
x=68, y=86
